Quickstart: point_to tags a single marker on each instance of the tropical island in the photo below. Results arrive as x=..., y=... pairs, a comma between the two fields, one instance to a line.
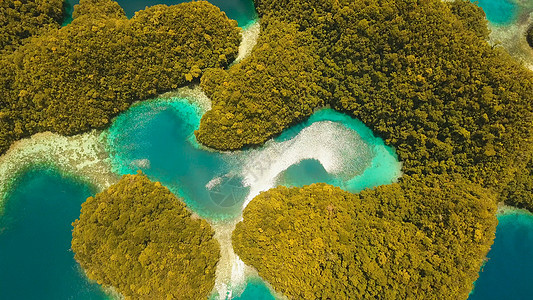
x=431, y=87
x=452, y=106
x=140, y=239
x=420, y=74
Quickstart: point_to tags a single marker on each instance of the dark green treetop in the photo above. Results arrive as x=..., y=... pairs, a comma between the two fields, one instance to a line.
x=20, y=19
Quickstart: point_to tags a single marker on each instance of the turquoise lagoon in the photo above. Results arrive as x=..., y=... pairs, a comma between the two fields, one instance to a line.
x=243, y=11
x=157, y=137
x=499, y=12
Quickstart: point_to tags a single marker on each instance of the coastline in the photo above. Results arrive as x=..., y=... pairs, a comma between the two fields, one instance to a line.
x=512, y=36
x=81, y=156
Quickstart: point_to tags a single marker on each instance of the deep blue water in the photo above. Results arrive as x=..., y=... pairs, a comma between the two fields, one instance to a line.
x=508, y=273
x=499, y=12
x=35, y=234
x=241, y=10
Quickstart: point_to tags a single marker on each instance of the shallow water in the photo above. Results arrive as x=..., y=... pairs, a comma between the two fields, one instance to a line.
x=35, y=234
x=241, y=10
x=157, y=137
x=499, y=12
x=381, y=165
x=508, y=272
x=255, y=290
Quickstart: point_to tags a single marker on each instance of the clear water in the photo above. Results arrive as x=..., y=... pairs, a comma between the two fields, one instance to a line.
x=499, y=12
x=383, y=166
x=157, y=137
x=35, y=234
x=307, y=172
x=508, y=272
x=243, y=11
x=255, y=290
x=35, y=230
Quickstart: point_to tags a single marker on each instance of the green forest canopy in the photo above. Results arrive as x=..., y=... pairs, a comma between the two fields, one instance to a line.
x=20, y=19
x=419, y=73
x=75, y=78
x=417, y=239
x=139, y=238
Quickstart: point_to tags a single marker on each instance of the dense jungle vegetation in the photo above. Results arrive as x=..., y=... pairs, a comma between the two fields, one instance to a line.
x=418, y=239
x=75, y=78
x=519, y=191
x=20, y=19
x=419, y=73
x=139, y=238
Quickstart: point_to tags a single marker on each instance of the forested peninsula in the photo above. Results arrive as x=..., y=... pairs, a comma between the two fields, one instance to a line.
x=139, y=238
x=72, y=79
x=420, y=74
x=418, y=239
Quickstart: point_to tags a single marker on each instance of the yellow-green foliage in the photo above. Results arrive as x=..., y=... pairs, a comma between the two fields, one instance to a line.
x=412, y=240
x=139, y=238
x=413, y=71
x=98, y=9
x=76, y=78
x=20, y=19
x=288, y=81
x=519, y=191
x=472, y=16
